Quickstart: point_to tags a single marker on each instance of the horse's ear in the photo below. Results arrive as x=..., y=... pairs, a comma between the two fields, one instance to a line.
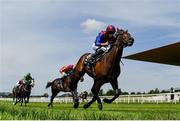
x=118, y=29
x=127, y=30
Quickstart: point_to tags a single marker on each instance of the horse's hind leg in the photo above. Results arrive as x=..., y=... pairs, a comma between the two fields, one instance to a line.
x=22, y=100
x=26, y=101
x=52, y=98
x=117, y=92
x=95, y=90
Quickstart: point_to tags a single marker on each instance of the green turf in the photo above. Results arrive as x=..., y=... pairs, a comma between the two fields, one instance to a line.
x=40, y=111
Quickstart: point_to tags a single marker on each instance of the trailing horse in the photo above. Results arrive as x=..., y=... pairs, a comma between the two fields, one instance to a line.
x=67, y=86
x=106, y=70
x=22, y=94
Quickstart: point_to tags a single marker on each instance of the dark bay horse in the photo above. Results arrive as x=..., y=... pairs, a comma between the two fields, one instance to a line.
x=107, y=69
x=20, y=95
x=67, y=86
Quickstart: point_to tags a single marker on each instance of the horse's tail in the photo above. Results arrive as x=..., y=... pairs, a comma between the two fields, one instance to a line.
x=48, y=84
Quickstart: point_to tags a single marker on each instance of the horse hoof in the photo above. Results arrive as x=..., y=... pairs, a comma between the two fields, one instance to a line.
x=106, y=100
x=76, y=105
x=100, y=106
x=49, y=105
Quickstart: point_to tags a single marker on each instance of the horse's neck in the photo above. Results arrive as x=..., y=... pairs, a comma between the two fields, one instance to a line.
x=28, y=87
x=119, y=55
x=115, y=54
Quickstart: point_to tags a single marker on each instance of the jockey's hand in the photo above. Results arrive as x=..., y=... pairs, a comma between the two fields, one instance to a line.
x=105, y=44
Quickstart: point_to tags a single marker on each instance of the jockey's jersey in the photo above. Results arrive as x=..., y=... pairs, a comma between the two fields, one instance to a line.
x=102, y=38
x=66, y=68
x=28, y=78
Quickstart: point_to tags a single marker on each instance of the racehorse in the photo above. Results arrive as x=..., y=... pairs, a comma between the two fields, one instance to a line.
x=107, y=69
x=67, y=86
x=23, y=94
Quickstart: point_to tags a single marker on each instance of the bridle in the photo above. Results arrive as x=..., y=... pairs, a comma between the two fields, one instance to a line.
x=122, y=43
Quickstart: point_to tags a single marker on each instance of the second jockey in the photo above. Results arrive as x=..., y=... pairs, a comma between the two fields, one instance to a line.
x=102, y=44
x=65, y=71
x=20, y=85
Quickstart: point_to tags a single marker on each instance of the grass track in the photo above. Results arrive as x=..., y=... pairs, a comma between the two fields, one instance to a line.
x=40, y=111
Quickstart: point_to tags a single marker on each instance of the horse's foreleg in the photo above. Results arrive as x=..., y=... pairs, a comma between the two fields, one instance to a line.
x=90, y=102
x=25, y=101
x=95, y=90
x=117, y=92
x=28, y=99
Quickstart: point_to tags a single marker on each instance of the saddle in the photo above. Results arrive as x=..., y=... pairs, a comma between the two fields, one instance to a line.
x=61, y=82
x=92, y=59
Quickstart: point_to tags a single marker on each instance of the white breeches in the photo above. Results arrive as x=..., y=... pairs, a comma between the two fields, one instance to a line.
x=104, y=48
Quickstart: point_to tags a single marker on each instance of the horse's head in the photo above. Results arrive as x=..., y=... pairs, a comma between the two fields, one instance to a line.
x=123, y=38
x=32, y=83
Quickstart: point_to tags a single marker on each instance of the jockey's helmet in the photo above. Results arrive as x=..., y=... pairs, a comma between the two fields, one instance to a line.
x=20, y=81
x=110, y=29
x=29, y=74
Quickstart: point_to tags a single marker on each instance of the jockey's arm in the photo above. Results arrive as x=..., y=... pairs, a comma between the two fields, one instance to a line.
x=31, y=78
x=104, y=44
x=99, y=41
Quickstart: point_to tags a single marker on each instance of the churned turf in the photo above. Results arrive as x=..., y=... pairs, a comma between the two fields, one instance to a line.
x=40, y=111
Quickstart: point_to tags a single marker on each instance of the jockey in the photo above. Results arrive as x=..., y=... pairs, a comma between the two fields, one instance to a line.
x=27, y=79
x=102, y=43
x=65, y=71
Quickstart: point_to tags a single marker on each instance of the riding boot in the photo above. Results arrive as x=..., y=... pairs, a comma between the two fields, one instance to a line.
x=61, y=82
x=95, y=55
x=61, y=85
x=91, y=60
x=66, y=75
